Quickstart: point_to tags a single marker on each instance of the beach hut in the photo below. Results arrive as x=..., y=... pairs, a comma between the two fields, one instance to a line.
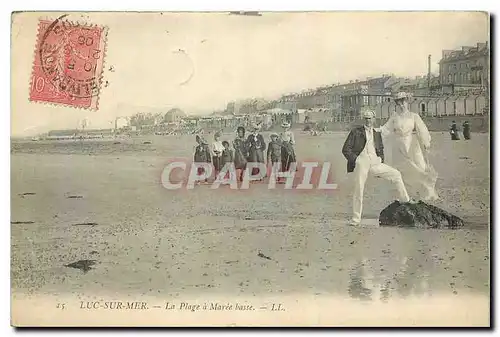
x=480, y=104
x=441, y=106
x=278, y=115
x=432, y=107
x=451, y=105
x=422, y=106
x=300, y=116
x=470, y=105
x=414, y=105
x=460, y=105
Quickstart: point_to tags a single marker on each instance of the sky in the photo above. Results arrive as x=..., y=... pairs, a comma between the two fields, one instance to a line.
x=199, y=62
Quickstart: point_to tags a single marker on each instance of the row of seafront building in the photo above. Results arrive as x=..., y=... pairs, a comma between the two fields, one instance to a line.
x=461, y=88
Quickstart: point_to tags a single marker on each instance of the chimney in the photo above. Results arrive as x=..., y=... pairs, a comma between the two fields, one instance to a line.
x=429, y=71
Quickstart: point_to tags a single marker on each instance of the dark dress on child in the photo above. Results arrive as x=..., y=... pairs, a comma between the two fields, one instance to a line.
x=240, y=153
x=274, y=151
x=202, y=155
x=227, y=157
x=256, y=148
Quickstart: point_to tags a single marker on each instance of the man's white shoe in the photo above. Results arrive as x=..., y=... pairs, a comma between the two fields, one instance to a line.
x=433, y=197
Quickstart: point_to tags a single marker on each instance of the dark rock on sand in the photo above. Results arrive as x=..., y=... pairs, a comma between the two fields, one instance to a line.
x=83, y=265
x=263, y=256
x=86, y=224
x=419, y=215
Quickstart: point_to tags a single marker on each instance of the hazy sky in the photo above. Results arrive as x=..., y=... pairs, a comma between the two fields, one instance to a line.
x=227, y=57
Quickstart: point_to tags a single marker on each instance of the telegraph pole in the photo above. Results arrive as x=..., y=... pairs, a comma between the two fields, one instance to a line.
x=429, y=73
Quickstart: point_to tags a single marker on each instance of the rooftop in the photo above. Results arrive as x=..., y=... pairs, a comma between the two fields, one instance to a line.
x=466, y=52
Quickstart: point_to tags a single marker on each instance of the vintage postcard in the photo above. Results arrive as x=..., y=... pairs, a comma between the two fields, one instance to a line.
x=319, y=169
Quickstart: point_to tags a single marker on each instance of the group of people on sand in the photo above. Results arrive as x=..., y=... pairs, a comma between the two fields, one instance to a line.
x=247, y=149
x=409, y=138
x=404, y=134
x=455, y=132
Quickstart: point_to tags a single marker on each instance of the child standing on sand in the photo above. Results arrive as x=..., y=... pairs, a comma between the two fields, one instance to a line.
x=227, y=159
x=227, y=154
x=217, y=149
x=274, y=154
x=201, y=154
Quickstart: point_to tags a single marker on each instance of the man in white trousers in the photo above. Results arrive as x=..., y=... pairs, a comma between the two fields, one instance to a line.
x=364, y=152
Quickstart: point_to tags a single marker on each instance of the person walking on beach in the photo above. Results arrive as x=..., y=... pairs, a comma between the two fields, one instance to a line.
x=202, y=154
x=410, y=153
x=454, y=131
x=466, y=130
x=240, y=153
x=287, y=150
x=217, y=149
x=364, y=152
x=256, y=147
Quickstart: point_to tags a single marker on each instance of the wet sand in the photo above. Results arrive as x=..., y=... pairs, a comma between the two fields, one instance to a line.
x=103, y=201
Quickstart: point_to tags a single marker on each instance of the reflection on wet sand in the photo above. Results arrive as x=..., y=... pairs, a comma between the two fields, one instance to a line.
x=427, y=269
x=409, y=280
x=357, y=284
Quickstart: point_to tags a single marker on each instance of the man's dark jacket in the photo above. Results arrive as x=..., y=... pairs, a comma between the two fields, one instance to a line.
x=355, y=143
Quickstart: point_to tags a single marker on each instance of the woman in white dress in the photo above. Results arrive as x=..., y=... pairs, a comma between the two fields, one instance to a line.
x=406, y=133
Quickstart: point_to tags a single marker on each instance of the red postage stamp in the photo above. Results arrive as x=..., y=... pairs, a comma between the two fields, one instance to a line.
x=68, y=64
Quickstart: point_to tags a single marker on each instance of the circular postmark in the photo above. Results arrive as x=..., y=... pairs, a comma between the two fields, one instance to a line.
x=71, y=57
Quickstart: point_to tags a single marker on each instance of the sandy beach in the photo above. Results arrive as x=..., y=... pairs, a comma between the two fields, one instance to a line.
x=103, y=201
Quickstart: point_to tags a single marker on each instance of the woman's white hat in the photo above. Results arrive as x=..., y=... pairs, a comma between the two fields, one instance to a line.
x=367, y=112
x=401, y=95
x=285, y=125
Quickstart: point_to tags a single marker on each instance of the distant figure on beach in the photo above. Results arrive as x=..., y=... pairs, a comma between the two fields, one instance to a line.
x=364, y=152
x=217, y=149
x=256, y=147
x=454, y=131
x=410, y=152
x=274, y=153
x=287, y=147
x=240, y=153
x=202, y=154
x=227, y=154
x=466, y=130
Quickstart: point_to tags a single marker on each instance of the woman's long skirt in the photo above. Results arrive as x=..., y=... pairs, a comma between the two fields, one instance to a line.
x=287, y=157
